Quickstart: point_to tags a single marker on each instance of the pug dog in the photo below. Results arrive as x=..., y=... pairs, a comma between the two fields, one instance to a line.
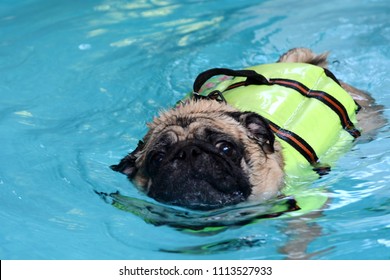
x=206, y=154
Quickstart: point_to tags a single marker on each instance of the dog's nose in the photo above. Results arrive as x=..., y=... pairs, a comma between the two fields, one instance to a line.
x=188, y=152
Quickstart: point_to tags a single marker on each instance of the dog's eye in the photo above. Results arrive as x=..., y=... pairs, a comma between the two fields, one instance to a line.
x=157, y=158
x=225, y=148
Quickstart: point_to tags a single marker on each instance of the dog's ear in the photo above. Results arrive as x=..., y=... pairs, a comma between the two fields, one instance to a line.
x=258, y=129
x=127, y=165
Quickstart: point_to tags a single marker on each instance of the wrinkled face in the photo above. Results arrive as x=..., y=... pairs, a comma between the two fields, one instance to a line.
x=205, y=155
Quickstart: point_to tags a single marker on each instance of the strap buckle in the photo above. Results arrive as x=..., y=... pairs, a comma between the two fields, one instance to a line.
x=214, y=95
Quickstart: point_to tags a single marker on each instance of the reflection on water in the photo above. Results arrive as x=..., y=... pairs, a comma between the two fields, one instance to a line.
x=234, y=244
x=300, y=231
x=163, y=18
x=201, y=221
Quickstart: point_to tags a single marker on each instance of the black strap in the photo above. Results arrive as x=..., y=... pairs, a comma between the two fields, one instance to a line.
x=302, y=147
x=335, y=105
x=296, y=142
x=332, y=76
x=253, y=78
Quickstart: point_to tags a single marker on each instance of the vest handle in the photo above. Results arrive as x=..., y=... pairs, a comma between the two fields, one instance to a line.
x=253, y=78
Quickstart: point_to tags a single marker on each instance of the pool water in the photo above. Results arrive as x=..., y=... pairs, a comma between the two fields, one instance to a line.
x=79, y=80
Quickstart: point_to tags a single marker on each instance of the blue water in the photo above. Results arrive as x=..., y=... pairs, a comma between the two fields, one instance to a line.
x=79, y=80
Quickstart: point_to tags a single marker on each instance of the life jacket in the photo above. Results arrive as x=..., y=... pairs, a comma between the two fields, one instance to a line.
x=305, y=106
x=311, y=115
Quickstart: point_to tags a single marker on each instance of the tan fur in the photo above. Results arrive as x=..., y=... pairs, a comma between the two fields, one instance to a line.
x=265, y=172
x=304, y=55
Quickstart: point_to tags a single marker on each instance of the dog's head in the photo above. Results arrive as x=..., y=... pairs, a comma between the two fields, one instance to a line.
x=205, y=155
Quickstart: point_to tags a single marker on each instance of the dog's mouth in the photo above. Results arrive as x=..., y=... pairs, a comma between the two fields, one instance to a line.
x=198, y=175
x=198, y=195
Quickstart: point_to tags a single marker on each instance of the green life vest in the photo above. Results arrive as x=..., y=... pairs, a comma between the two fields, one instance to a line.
x=306, y=108
x=312, y=116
